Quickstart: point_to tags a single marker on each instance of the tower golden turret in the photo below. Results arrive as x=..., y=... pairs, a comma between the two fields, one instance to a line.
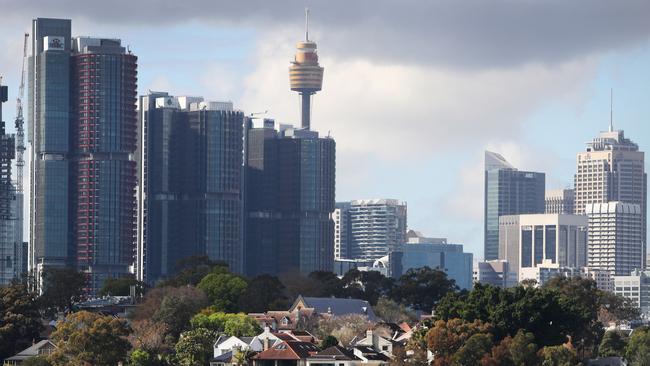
x=305, y=75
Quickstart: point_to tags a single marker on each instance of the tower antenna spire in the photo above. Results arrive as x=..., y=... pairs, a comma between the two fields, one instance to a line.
x=611, y=110
x=307, y=24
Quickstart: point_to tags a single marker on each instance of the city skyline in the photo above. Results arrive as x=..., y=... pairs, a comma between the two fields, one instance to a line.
x=568, y=112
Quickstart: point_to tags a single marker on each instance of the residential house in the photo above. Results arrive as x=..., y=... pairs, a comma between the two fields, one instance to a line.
x=286, y=353
x=339, y=356
x=332, y=306
x=42, y=348
x=375, y=341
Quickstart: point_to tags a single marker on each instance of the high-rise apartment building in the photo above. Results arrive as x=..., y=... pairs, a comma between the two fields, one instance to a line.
x=374, y=227
x=341, y=217
x=290, y=187
x=190, y=176
x=529, y=241
x=82, y=127
x=615, y=237
x=508, y=191
x=612, y=169
x=560, y=201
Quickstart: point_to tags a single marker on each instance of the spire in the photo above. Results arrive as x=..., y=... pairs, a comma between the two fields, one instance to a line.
x=307, y=24
x=611, y=110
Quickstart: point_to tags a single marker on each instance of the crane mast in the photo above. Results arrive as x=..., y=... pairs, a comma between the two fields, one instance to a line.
x=20, y=123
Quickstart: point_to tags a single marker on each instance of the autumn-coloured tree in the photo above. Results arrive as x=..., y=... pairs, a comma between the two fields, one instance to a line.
x=445, y=338
x=86, y=338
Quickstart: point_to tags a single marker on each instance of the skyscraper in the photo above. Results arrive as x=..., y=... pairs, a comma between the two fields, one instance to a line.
x=508, y=191
x=375, y=227
x=82, y=127
x=612, y=169
x=290, y=184
x=10, y=256
x=290, y=179
x=615, y=237
x=48, y=132
x=190, y=183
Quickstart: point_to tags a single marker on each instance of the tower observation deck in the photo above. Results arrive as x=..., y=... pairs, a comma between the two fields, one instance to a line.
x=305, y=75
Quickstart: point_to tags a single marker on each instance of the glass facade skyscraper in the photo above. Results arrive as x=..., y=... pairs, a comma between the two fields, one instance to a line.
x=82, y=127
x=290, y=177
x=48, y=132
x=508, y=191
x=191, y=164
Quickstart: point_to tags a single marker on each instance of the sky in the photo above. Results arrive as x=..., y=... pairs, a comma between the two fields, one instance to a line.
x=414, y=91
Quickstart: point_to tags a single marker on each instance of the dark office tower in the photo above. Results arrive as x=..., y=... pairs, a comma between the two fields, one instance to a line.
x=48, y=125
x=290, y=180
x=9, y=258
x=190, y=183
x=103, y=171
x=508, y=191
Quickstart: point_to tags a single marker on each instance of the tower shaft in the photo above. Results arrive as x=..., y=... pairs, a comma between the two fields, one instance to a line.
x=305, y=110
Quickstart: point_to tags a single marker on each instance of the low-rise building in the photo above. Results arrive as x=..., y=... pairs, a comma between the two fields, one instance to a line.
x=495, y=273
x=635, y=287
x=42, y=348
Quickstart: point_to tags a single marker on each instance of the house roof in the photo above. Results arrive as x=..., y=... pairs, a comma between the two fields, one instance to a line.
x=288, y=350
x=31, y=351
x=336, y=353
x=225, y=357
x=370, y=353
x=337, y=306
x=607, y=361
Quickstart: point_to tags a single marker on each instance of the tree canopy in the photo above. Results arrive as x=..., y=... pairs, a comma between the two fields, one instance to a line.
x=20, y=320
x=89, y=338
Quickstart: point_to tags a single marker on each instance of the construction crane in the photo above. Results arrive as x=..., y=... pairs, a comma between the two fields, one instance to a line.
x=20, y=123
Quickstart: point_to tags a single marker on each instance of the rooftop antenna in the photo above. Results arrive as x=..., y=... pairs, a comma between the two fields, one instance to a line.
x=307, y=24
x=611, y=110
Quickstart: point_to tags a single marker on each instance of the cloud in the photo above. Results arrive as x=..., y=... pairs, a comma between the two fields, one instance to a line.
x=400, y=112
x=472, y=33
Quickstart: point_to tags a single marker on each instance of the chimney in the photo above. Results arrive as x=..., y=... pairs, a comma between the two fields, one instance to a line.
x=266, y=343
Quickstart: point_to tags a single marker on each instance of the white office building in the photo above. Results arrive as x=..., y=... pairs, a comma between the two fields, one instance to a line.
x=541, y=240
x=636, y=287
x=615, y=237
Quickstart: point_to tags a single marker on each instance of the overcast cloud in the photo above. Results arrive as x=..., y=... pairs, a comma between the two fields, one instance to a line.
x=409, y=85
x=477, y=33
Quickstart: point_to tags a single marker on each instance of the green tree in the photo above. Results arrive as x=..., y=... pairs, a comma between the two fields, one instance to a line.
x=523, y=350
x=239, y=325
x=36, y=361
x=20, y=320
x=612, y=345
x=367, y=285
x=121, y=286
x=471, y=353
x=445, y=338
x=89, y=338
x=559, y=356
x=264, y=292
x=195, y=347
x=616, y=308
x=61, y=288
x=638, y=347
x=328, y=284
x=191, y=270
x=393, y=312
x=422, y=288
x=176, y=310
x=545, y=312
x=140, y=357
x=223, y=290
x=328, y=342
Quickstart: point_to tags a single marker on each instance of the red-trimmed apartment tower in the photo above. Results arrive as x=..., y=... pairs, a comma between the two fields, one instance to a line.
x=103, y=135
